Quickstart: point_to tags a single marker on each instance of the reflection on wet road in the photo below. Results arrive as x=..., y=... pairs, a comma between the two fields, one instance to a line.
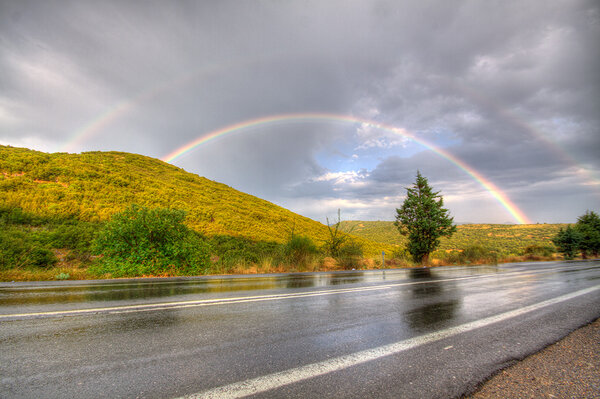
x=31, y=294
x=168, y=337
x=115, y=290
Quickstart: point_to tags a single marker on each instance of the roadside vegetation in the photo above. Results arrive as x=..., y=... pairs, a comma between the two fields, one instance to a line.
x=107, y=215
x=509, y=243
x=143, y=241
x=583, y=238
x=156, y=242
x=36, y=247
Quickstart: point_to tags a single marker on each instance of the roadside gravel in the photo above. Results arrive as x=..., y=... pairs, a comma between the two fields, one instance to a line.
x=569, y=368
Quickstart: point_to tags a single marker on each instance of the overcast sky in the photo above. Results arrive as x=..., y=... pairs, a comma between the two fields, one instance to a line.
x=509, y=88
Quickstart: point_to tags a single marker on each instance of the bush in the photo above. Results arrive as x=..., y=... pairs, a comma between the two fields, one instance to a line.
x=478, y=254
x=402, y=254
x=62, y=276
x=538, y=251
x=141, y=241
x=452, y=257
x=299, y=250
x=16, y=216
x=350, y=255
x=77, y=236
x=332, y=246
x=41, y=257
x=19, y=250
x=234, y=251
x=472, y=254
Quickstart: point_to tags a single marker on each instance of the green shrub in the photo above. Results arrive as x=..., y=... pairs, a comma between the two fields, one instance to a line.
x=19, y=249
x=63, y=276
x=234, y=251
x=77, y=236
x=16, y=216
x=533, y=251
x=401, y=253
x=299, y=250
x=478, y=254
x=452, y=257
x=350, y=255
x=41, y=257
x=141, y=241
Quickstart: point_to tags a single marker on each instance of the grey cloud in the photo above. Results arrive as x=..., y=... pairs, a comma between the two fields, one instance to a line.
x=509, y=87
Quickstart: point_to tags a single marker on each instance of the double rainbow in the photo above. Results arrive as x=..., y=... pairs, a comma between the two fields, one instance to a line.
x=498, y=194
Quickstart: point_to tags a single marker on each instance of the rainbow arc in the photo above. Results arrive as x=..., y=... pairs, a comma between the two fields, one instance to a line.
x=488, y=185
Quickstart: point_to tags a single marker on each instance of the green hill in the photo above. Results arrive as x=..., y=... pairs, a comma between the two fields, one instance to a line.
x=504, y=239
x=92, y=186
x=53, y=207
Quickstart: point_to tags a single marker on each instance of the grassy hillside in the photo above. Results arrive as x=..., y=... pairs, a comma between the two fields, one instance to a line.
x=505, y=239
x=93, y=186
x=56, y=209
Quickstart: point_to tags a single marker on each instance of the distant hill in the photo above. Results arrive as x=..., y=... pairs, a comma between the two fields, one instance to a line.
x=92, y=186
x=504, y=238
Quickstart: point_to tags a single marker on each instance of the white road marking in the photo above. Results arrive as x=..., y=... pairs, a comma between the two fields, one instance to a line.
x=256, y=298
x=290, y=376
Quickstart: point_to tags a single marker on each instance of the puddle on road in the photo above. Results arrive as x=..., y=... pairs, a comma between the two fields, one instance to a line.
x=30, y=294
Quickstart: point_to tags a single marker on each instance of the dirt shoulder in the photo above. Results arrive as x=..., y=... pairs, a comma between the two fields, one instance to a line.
x=569, y=368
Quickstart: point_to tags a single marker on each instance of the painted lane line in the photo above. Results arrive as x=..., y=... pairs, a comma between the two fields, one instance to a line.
x=219, y=301
x=183, y=304
x=290, y=376
x=256, y=298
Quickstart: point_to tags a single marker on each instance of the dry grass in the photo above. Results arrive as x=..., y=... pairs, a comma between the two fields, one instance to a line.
x=74, y=273
x=266, y=266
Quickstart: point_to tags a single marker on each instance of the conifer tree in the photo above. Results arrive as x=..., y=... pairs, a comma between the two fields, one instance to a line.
x=567, y=241
x=588, y=226
x=423, y=219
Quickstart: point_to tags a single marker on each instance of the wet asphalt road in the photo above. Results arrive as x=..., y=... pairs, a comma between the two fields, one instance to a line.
x=166, y=338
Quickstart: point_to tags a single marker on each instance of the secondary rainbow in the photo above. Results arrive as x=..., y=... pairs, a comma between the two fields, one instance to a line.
x=98, y=124
x=498, y=194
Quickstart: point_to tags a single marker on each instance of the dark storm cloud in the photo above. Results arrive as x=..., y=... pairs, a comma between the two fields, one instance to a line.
x=509, y=87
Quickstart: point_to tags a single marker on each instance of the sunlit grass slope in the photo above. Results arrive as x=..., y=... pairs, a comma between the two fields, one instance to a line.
x=92, y=186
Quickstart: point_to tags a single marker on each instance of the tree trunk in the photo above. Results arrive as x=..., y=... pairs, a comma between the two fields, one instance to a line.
x=425, y=260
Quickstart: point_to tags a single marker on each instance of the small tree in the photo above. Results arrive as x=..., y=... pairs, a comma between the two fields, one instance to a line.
x=588, y=226
x=337, y=238
x=567, y=241
x=423, y=219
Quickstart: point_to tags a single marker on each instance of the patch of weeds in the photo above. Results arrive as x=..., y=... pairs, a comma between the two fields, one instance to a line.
x=63, y=276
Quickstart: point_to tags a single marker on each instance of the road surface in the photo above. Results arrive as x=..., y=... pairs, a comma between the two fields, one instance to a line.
x=396, y=333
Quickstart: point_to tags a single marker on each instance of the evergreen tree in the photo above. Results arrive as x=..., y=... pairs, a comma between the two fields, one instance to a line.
x=567, y=241
x=423, y=219
x=588, y=226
